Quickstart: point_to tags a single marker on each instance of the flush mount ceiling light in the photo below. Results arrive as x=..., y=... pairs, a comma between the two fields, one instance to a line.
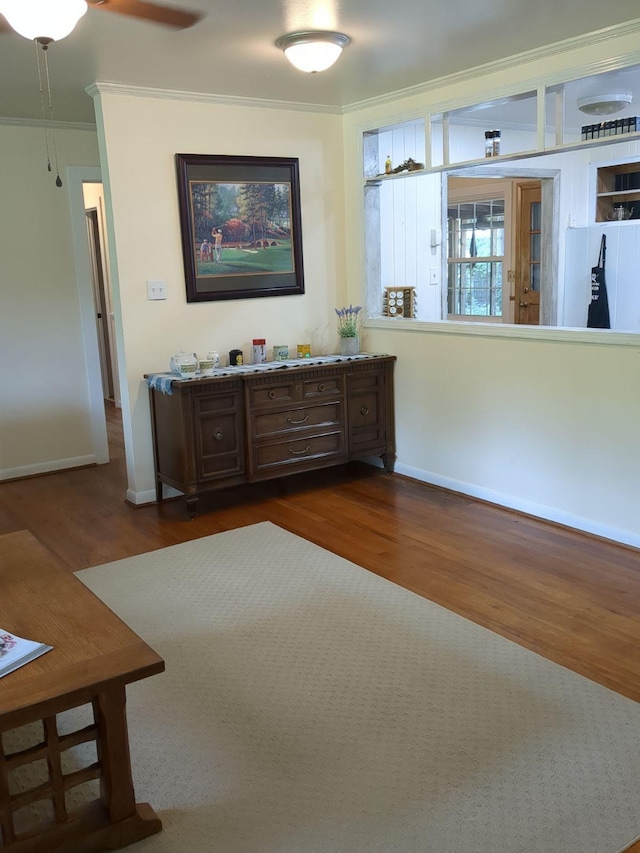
x=604, y=105
x=314, y=50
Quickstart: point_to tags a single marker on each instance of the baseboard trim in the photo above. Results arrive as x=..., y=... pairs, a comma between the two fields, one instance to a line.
x=547, y=513
x=139, y=498
x=149, y=496
x=48, y=467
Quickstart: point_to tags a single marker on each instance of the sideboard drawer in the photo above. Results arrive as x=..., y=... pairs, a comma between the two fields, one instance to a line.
x=268, y=394
x=324, y=386
x=271, y=423
x=297, y=451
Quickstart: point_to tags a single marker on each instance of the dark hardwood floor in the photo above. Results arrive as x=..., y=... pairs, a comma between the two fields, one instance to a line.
x=573, y=598
x=570, y=597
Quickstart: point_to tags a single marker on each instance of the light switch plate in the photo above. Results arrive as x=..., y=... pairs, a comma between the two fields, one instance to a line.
x=156, y=289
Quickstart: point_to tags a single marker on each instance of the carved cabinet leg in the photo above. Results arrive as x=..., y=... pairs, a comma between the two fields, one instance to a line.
x=389, y=462
x=192, y=505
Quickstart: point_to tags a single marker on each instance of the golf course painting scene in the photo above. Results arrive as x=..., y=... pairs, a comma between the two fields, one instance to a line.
x=240, y=225
x=241, y=228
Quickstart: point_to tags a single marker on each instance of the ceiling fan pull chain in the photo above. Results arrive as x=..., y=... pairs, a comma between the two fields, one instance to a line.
x=46, y=135
x=53, y=132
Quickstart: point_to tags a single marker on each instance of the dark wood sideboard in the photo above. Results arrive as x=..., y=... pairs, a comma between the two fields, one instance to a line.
x=215, y=432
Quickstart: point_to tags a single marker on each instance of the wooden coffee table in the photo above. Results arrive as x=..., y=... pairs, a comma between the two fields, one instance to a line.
x=95, y=655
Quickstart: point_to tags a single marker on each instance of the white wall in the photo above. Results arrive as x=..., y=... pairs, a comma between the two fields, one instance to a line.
x=44, y=412
x=139, y=138
x=544, y=427
x=548, y=427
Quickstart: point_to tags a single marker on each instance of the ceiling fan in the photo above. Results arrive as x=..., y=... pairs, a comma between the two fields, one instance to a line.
x=168, y=16
x=47, y=21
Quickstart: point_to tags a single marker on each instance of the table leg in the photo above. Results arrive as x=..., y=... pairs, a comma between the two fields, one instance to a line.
x=135, y=821
x=116, y=783
x=110, y=822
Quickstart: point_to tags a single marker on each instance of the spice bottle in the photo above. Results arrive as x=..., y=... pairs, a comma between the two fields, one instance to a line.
x=387, y=165
x=488, y=143
x=496, y=143
x=259, y=350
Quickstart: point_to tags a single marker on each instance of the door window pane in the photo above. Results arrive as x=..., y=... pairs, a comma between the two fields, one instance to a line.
x=535, y=247
x=535, y=277
x=476, y=252
x=536, y=209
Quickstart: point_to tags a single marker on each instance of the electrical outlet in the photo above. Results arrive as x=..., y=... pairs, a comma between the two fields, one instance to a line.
x=156, y=289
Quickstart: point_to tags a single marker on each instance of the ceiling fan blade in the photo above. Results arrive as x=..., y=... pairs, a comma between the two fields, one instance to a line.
x=170, y=16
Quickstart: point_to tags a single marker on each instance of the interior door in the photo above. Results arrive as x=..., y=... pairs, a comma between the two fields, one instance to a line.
x=528, y=276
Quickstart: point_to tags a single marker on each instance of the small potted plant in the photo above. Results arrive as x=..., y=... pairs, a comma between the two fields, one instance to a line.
x=348, y=329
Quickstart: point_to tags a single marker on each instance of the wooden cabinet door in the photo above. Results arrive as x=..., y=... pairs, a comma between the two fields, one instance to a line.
x=219, y=435
x=366, y=406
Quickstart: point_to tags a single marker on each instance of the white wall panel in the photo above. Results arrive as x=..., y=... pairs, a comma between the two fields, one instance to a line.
x=45, y=418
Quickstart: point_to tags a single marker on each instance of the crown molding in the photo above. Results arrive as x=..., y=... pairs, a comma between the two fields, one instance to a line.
x=105, y=88
x=54, y=125
x=516, y=60
x=629, y=28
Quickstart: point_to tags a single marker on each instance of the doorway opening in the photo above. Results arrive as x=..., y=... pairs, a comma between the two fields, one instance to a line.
x=479, y=225
x=100, y=296
x=502, y=248
x=93, y=194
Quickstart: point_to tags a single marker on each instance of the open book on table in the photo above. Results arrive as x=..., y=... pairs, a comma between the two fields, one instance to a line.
x=16, y=652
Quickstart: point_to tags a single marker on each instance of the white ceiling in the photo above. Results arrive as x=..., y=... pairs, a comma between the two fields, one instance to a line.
x=395, y=44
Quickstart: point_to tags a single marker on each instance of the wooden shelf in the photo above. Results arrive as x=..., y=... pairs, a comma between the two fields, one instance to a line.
x=376, y=180
x=607, y=194
x=628, y=194
x=624, y=168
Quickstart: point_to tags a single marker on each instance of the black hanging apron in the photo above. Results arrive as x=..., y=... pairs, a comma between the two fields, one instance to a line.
x=598, y=315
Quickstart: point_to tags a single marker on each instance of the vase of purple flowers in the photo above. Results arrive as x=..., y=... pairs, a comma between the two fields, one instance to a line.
x=348, y=329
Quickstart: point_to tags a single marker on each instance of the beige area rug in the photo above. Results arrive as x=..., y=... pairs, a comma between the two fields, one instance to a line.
x=310, y=706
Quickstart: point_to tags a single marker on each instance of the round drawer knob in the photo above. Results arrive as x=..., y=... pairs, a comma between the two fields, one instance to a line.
x=271, y=395
x=218, y=434
x=364, y=410
x=322, y=387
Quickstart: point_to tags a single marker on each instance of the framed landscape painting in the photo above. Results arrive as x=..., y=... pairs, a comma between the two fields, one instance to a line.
x=240, y=225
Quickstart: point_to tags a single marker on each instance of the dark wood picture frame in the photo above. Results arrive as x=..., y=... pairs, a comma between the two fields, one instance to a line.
x=241, y=226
